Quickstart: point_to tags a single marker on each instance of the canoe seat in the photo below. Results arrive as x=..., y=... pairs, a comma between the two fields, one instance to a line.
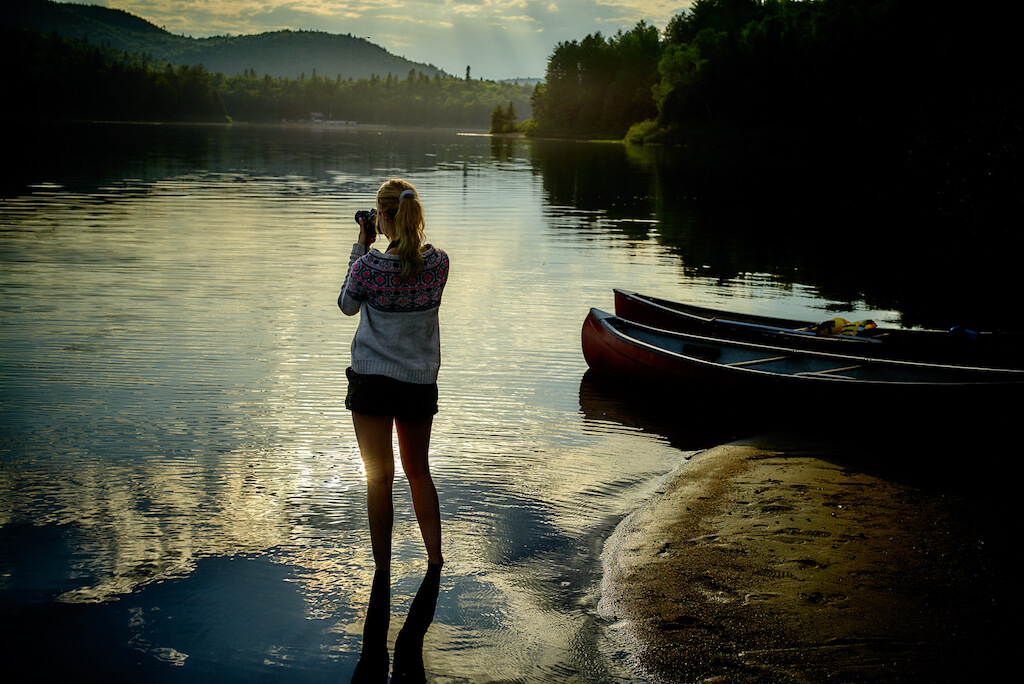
x=838, y=369
x=751, y=362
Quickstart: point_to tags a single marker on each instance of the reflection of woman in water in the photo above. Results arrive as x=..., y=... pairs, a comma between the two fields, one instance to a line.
x=408, y=665
x=396, y=354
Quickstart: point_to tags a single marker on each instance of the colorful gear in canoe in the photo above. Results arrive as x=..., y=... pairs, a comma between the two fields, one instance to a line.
x=841, y=326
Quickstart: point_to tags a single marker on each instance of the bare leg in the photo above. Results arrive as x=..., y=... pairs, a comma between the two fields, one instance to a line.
x=414, y=444
x=374, y=436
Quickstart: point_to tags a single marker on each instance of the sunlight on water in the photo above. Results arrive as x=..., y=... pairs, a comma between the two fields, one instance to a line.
x=172, y=373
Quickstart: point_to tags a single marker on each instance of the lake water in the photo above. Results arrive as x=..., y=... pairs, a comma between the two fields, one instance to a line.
x=181, y=495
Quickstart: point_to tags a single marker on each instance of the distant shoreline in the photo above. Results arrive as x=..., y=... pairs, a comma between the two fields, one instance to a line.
x=295, y=124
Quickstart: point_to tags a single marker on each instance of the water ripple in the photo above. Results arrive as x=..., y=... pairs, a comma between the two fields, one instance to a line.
x=172, y=381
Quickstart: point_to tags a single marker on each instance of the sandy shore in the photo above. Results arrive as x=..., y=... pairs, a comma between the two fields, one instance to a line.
x=768, y=560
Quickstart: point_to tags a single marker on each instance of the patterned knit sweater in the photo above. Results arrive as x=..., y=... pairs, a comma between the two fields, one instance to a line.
x=398, y=334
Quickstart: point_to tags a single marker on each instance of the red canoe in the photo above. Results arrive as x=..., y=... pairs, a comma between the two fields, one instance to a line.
x=625, y=349
x=989, y=349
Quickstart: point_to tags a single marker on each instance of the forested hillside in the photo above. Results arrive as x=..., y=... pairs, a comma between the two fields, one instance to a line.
x=282, y=54
x=80, y=62
x=60, y=80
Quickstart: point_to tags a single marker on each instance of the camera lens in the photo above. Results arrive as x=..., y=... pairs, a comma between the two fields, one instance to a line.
x=366, y=216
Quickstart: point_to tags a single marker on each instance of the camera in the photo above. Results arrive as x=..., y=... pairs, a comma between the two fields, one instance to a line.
x=369, y=218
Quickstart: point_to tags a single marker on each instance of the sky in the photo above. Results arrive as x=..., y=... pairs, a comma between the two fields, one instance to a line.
x=497, y=39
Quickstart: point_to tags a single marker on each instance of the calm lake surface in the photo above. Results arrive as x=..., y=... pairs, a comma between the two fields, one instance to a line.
x=181, y=495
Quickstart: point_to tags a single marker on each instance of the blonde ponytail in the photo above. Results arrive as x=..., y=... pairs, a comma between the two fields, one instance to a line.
x=399, y=200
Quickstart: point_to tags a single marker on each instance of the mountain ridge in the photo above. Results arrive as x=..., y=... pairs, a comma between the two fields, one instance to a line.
x=281, y=54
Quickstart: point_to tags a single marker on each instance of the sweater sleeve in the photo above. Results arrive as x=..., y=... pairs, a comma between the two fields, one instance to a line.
x=352, y=293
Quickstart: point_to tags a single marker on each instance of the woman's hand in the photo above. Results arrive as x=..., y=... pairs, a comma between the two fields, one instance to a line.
x=366, y=237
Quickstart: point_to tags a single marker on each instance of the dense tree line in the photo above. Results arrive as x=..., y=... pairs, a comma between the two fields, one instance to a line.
x=922, y=91
x=598, y=86
x=815, y=65
x=413, y=100
x=60, y=79
x=896, y=67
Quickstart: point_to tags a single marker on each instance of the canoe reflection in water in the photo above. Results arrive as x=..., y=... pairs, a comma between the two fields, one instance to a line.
x=408, y=663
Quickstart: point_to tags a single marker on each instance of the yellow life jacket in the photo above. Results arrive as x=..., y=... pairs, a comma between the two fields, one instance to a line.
x=841, y=326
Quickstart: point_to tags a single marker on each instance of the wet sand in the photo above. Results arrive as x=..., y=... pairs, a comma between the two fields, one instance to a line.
x=770, y=560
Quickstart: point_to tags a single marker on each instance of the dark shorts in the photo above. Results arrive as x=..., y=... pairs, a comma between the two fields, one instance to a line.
x=379, y=395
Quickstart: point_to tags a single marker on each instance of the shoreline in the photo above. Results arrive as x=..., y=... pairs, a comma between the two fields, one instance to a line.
x=769, y=559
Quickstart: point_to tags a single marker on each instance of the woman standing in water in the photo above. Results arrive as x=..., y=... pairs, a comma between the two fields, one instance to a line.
x=396, y=353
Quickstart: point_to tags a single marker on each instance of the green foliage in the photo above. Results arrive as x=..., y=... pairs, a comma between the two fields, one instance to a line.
x=885, y=75
x=725, y=16
x=599, y=86
x=920, y=88
x=503, y=119
x=642, y=132
x=876, y=67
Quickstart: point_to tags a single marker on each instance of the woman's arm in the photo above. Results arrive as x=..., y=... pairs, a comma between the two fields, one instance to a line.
x=350, y=298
